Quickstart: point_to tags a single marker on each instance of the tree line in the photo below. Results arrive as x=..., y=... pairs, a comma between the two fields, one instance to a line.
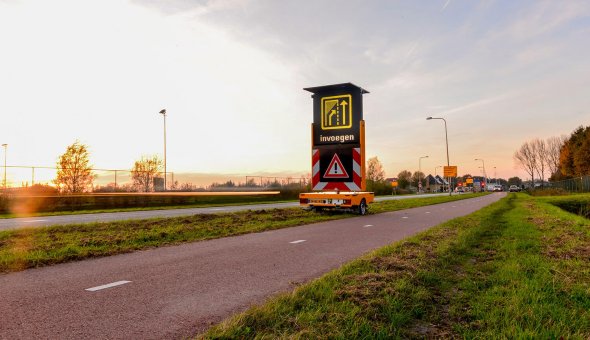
x=574, y=157
x=74, y=171
x=377, y=183
x=75, y=175
x=556, y=158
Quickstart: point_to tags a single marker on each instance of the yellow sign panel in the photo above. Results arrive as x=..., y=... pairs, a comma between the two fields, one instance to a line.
x=336, y=112
x=450, y=171
x=394, y=184
x=469, y=180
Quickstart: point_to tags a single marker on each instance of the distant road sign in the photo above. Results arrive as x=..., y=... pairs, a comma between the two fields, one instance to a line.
x=469, y=180
x=450, y=171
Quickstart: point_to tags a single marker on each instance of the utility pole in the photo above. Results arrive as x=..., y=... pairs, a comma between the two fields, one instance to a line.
x=163, y=113
x=5, y=151
x=420, y=171
x=447, y=143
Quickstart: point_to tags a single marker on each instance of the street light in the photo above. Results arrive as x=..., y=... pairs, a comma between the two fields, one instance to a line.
x=163, y=113
x=420, y=163
x=447, y=143
x=495, y=176
x=484, y=172
x=420, y=170
x=436, y=167
x=5, y=148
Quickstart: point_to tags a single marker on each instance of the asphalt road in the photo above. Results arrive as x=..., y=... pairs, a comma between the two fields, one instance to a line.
x=178, y=291
x=42, y=221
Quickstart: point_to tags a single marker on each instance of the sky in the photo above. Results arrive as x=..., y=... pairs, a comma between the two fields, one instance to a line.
x=230, y=74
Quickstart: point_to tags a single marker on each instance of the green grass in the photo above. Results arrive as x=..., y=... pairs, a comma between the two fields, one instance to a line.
x=392, y=205
x=516, y=269
x=34, y=247
x=574, y=203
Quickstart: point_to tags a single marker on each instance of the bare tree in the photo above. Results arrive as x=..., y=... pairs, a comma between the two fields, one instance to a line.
x=74, y=174
x=375, y=170
x=144, y=171
x=525, y=157
x=541, y=158
x=554, y=145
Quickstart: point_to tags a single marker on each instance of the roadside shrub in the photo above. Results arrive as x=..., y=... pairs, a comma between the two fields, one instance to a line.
x=548, y=192
x=24, y=205
x=379, y=187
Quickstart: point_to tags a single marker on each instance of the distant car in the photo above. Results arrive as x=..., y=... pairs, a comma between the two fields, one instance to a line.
x=459, y=189
x=497, y=188
x=514, y=188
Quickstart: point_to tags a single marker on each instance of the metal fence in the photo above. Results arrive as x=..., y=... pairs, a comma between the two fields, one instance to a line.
x=109, y=180
x=578, y=184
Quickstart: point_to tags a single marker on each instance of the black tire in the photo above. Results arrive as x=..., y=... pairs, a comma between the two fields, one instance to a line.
x=362, y=208
x=318, y=209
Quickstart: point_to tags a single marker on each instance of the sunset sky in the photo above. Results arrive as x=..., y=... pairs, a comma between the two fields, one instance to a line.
x=230, y=74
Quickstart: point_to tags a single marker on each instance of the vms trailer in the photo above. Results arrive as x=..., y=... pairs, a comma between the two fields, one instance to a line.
x=337, y=150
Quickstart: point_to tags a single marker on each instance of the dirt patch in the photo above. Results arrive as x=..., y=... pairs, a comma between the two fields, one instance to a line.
x=394, y=264
x=424, y=330
x=558, y=251
x=364, y=289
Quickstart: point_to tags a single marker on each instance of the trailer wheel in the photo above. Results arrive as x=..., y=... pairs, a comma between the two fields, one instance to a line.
x=362, y=209
x=318, y=209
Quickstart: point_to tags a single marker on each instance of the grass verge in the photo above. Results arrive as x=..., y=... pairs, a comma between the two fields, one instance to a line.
x=576, y=203
x=202, y=203
x=34, y=247
x=516, y=269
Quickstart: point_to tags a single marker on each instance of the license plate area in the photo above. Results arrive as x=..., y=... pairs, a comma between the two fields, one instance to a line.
x=326, y=201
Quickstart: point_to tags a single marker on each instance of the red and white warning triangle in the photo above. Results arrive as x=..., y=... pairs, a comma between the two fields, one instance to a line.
x=335, y=169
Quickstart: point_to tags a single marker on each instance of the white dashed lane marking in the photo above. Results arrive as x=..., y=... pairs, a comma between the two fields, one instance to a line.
x=109, y=285
x=405, y=217
x=298, y=241
x=33, y=221
x=367, y=225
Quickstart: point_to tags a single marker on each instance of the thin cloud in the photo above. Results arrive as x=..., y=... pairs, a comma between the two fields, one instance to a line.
x=544, y=18
x=477, y=103
x=445, y=6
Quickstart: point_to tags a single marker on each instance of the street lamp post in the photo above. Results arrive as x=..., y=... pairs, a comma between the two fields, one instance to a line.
x=420, y=170
x=163, y=113
x=495, y=176
x=485, y=176
x=5, y=148
x=447, y=144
